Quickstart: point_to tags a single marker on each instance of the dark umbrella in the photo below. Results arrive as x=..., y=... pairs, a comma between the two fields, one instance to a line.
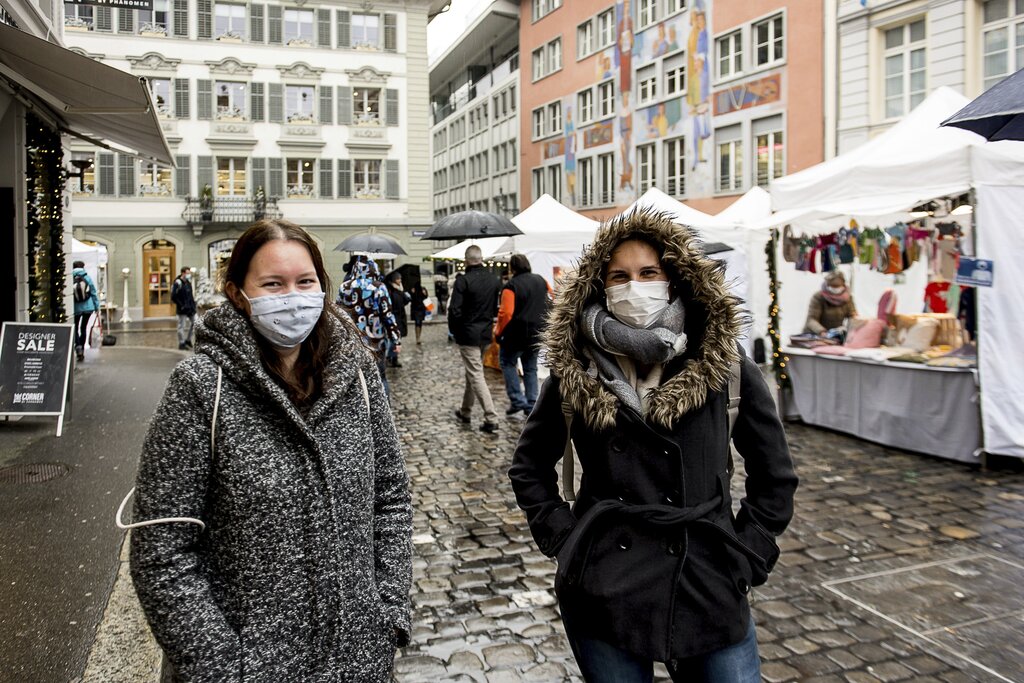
x=996, y=114
x=471, y=224
x=371, y=244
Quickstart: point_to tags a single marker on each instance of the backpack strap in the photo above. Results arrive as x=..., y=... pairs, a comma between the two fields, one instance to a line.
x=733, y=409
x=568, y=464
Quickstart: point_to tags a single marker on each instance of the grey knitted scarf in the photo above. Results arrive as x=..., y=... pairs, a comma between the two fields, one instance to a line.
x=654, y=346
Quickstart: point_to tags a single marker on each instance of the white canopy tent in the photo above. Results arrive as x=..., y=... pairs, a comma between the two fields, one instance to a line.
x=914, y=162
x=553, y=238
x=95, y=260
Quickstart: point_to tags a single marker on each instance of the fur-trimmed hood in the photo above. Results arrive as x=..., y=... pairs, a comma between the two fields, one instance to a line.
x=714, y=320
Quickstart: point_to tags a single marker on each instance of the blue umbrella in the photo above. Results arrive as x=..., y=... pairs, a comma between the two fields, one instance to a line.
x=996, y=114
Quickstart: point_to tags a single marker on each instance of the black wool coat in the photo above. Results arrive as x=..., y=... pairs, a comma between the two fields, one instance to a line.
x=473, y=306
x=651, y=557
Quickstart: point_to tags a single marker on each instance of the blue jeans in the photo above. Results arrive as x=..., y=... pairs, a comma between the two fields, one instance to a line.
x=510, y=369
x=602, y=662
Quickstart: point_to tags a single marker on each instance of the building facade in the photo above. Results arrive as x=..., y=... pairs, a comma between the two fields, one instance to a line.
x=313, y=112
x=702, y=99
x=474, y=97
x=891, y=55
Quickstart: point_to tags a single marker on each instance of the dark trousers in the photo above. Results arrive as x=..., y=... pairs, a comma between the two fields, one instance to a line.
x=81, y=328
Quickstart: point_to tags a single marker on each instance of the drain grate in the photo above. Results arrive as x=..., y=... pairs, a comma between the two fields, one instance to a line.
x=33, y=473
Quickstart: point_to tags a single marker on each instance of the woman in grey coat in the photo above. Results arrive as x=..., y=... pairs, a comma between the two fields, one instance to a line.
x=302, y=568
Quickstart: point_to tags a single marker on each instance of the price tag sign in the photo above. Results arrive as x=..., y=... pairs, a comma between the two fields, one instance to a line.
x=977, y=272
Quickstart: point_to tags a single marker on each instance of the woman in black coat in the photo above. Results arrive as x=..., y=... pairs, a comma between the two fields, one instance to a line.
x=652, y=563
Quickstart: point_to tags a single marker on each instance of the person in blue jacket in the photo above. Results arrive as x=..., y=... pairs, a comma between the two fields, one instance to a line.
x=87, y=302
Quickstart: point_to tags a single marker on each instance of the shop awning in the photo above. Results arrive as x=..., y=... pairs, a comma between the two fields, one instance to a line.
x=85, y=98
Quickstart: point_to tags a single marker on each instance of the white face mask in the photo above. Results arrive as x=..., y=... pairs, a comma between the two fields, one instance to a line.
x=286, y=320
x=837, y=290
x=637, y=304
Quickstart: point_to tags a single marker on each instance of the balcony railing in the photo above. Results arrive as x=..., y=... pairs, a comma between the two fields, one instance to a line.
x=223, y=211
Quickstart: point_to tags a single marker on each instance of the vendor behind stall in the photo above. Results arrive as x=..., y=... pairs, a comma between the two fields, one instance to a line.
x=830, y=306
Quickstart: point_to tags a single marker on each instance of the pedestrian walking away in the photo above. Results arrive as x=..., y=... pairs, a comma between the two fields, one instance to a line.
x=652, y=564
x=418, y=308
x=366, y=300
x=399, y=298
x=87, y=302
x=521, y=314
x=471, y=314
x=185, y=304
x=275, y=438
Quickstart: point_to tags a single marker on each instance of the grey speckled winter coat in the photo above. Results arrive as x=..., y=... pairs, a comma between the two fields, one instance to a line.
x=304, y=568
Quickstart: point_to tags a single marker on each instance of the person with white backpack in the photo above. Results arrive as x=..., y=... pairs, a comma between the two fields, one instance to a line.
x=649, y=384
x=272, y=518
x=87, y=302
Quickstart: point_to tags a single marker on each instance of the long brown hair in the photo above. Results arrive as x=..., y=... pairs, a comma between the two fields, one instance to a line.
x=307, y=382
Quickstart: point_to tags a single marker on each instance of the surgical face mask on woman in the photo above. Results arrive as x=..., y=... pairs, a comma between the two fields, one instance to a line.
x=637, y=304
x=836, y=290
x=286, y=320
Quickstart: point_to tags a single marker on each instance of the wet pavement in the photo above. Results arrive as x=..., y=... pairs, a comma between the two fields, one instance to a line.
x=897, y=567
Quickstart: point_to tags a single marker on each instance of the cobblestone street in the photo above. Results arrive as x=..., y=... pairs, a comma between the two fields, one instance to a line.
x=896, y=567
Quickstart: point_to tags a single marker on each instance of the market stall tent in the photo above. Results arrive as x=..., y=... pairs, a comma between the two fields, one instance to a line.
x=914, y=162
x=553, y=238
x=95, y=259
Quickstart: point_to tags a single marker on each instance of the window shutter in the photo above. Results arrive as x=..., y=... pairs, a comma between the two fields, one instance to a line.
x=204, y=173
x=344, y=105
x=323, y=28
x=181, y=18
x=259, y=174
x=104, y=19
x=204, y=99
x=182, y=176
x=391, y=178
x=181, y=98
x=344, y=178
x=125, y=21
x=391, y=108
x=276, y=178
x=125, y=176
x=326, y=179
x=326, y=104
x=256, y=109
x=274, y=29
x=344, y=29
x=256, y=23
x=391, y=32
x=105, y=168
x=204, y=15
x=275, y=102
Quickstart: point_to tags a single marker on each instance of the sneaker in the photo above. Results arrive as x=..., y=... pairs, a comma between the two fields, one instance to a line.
x=461, y=417
x=513, y=410
x=489, y=427
x=182, y=347
x=188, y=344
x=518, y=416
x=80, y=356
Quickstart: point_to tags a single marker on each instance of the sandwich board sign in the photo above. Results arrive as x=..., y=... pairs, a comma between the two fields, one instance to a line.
x=35, y=368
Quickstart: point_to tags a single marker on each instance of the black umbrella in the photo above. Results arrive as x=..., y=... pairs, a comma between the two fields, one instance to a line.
x=996, y=114
x=371, y=243
x=471, y=224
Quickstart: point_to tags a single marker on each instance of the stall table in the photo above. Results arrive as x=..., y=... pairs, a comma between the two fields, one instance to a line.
x=905, y=405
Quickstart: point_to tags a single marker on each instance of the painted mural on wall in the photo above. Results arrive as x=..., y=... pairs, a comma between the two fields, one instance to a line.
x=687, y=115
x=750, y=94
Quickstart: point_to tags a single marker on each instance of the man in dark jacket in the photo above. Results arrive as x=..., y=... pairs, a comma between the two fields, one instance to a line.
x=181, y=295
x=399, y=298
x=470, y=319
x=653, y=566
x=524, y=304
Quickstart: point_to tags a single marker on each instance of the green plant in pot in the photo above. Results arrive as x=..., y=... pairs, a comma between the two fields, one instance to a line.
x=206, y=203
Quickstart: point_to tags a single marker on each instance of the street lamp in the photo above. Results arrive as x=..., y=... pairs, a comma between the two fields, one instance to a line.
x=125, y=317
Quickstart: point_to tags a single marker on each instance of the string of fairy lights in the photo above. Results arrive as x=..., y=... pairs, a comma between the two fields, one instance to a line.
x=44, y=178
x=779, y=359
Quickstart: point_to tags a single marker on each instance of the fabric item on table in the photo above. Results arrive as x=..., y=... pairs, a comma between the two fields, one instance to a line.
x=809, y=340
x=921, y=335
x=878, y=354
x=887, y=304
x=868, y=335
x=964, y=357
x=912, y=357
x=934, y=297
x=830, y=350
